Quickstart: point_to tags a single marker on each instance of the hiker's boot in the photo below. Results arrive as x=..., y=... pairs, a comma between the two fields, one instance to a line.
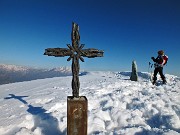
x=154, y=82
x=164, y=81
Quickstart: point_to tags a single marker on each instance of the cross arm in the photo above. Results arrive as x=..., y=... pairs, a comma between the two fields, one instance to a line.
x=57, y=52
x=91, y=53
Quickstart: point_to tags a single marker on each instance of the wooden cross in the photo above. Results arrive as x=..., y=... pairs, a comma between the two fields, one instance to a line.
x=75, y=52
x=76, y=105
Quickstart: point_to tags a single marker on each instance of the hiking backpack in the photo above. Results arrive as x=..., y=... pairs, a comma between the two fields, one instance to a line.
x=165, y=59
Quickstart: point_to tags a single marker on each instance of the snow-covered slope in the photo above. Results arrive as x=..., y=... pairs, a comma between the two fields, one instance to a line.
x=13, y=73
x=116, y=105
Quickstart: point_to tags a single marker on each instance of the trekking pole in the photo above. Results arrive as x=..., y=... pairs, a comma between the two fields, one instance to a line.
x=151, y=72
x=149, y=66
x=148, y=69
x=151, y=75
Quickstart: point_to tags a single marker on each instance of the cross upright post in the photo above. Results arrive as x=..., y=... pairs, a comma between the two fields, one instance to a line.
x=76, y=105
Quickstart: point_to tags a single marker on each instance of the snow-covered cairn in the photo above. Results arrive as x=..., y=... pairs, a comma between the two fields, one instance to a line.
x=134, y=75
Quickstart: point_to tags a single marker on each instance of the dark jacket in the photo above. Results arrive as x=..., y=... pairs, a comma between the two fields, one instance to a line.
x=159, y=61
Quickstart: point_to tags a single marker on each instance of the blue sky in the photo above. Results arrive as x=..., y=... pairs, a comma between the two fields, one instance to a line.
x=125, y=29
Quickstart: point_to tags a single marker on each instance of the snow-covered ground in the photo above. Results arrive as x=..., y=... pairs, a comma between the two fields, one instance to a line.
x=116, y=105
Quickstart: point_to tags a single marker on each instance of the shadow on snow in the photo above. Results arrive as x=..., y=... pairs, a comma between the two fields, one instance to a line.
x=160, y=122
x=43, y=120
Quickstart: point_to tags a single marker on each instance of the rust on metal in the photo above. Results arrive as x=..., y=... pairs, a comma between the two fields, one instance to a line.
x=77, y=115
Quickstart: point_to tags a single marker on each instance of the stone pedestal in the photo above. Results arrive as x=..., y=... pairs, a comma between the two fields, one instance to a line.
x=77, y=115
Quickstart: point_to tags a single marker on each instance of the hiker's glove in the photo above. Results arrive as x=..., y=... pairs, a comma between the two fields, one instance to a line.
x=152, y=58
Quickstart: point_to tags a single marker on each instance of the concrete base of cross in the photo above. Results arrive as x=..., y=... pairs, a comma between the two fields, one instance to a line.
x=77, y=115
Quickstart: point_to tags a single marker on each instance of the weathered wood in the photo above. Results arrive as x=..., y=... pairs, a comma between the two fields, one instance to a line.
x=61, y=52
x=57, y=52
x=75, y=52
x=76, y=105
x=77, y=115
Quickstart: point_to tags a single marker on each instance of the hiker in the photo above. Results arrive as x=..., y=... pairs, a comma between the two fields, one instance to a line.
x=160, y=61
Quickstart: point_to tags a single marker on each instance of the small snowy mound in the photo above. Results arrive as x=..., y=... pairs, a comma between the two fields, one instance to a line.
x=116, y=105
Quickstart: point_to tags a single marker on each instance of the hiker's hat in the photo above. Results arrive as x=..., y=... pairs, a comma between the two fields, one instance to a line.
x=161, y=52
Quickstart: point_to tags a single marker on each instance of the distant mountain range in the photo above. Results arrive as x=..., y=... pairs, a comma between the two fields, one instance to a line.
x=13, y=73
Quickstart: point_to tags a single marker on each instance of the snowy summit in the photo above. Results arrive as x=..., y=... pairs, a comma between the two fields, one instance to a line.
x=116, y=105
